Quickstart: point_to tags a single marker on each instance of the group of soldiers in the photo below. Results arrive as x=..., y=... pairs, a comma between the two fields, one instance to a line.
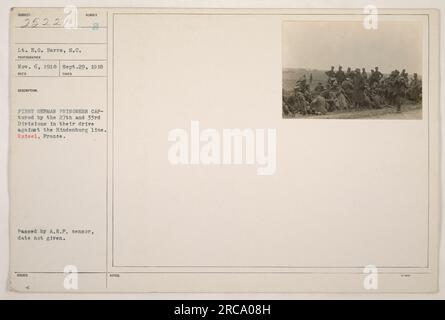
x=353, y=90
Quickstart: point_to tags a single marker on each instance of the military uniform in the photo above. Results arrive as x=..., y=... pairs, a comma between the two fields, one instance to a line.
x=359, y=90
x=340, y=76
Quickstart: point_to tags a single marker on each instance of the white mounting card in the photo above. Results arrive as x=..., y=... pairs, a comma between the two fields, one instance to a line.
x=216, y=150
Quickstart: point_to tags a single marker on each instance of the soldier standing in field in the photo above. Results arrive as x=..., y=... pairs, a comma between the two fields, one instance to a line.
x=415, y=88
x=372, y=78
x=349, y=73
x=377, y=76
x=404, y=74
x=331, y=75
x=359, y=89
x=405, y=80
x=398, y=85
x=348, y=88
x=364, y=75
x=340, y=76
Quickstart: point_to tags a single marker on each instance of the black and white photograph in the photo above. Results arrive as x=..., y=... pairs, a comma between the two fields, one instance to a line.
x=145, y=156
x=343, y=70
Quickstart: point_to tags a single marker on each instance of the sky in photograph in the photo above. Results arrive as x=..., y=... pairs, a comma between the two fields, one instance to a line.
x=320, y=45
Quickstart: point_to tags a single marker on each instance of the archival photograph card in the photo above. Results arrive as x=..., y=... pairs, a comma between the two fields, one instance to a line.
x=224, y=150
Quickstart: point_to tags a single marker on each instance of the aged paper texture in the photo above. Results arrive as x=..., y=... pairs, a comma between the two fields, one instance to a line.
x=224, y=150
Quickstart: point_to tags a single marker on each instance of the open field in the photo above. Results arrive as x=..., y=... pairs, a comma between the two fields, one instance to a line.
x=409, y=111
